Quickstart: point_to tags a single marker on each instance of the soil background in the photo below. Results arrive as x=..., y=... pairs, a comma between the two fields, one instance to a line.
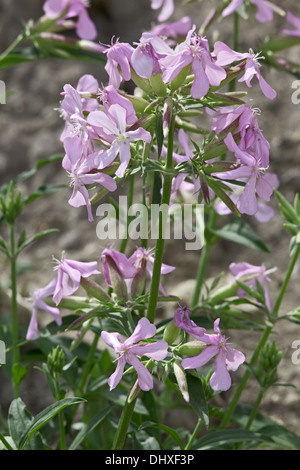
x=30, y=130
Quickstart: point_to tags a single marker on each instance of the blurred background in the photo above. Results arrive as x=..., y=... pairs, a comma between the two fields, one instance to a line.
x=30, y=130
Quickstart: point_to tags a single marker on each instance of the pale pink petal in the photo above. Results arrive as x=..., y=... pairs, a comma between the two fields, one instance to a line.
x=234, y=5
x=144, y=377
x=267, y=90
x=85, y=28
x=157, y=350
x=115, y=378
x=220, y=379
x=124, y=155
x=263, y=189
x=234, y=359
x=112, y=340
x=264, y=12
x=200, y=85
x=143, y=330
x=247, y=203
x=198, y=361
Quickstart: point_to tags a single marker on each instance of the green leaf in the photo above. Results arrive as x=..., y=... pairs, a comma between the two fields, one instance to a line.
x=32, y=239
x=215, y=186
x=43, y=191
x=90, y=426
x=239, y=231
x=197, y=398
x=45, y=416
x=174, y=435
x=229, y=436
x=19, y=419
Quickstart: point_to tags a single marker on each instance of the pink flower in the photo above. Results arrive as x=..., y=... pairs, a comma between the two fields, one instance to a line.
x=226, y=56
x=132, y=347
x=109, y=96
x=264, y=9
x=225, y=357
x=72, y=111
x=183, y=321
x=251, y=136
x=118, y=54
x=264, y=212
x=193, y=52
x=112, y=127
x=295, y=23
x=85, y=28
x=249, y=274
x=69, y=274
x=145, y=59
x=87, y=88
x=120, y=263
x=38, y=303
x=167, y=8
x=142, y=258
x=257, y=181
x=83, y=171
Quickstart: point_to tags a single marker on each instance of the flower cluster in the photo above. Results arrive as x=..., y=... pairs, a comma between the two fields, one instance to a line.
x=103, y=125
x=127, y=277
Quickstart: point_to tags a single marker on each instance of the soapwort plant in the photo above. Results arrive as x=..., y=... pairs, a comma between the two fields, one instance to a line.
x=115, y=366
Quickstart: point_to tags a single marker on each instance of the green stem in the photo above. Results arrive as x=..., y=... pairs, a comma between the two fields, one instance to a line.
x=194, y=435
x=13, y=45
x=130, y=200
x=204, y=259
x=255, y=408
x=88, y=364
x=15, y=321
x=286, y=281
x=62, y=431
x=262, y=342
x=232, y=84
x=121, y=434
x=159, y=249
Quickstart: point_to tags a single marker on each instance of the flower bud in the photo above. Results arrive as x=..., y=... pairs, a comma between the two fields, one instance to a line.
x=171, y=332
x=192, y=348
x=56, y=360
x=93, y=289
x=117, y=281
x=181, y=380
x=167, y=114
x=158, y=85
x=139, y=280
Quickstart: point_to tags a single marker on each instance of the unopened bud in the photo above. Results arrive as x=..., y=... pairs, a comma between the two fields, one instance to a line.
x=158, y=85
x=192, y=348
x=117, y=281
x=56, y=360
x=93, y=289
x=139, y=280
x=171, y=332
x=167, y=114
x=181, y=380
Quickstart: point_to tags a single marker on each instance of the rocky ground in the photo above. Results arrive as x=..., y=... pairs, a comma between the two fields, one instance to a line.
x=30, y=130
